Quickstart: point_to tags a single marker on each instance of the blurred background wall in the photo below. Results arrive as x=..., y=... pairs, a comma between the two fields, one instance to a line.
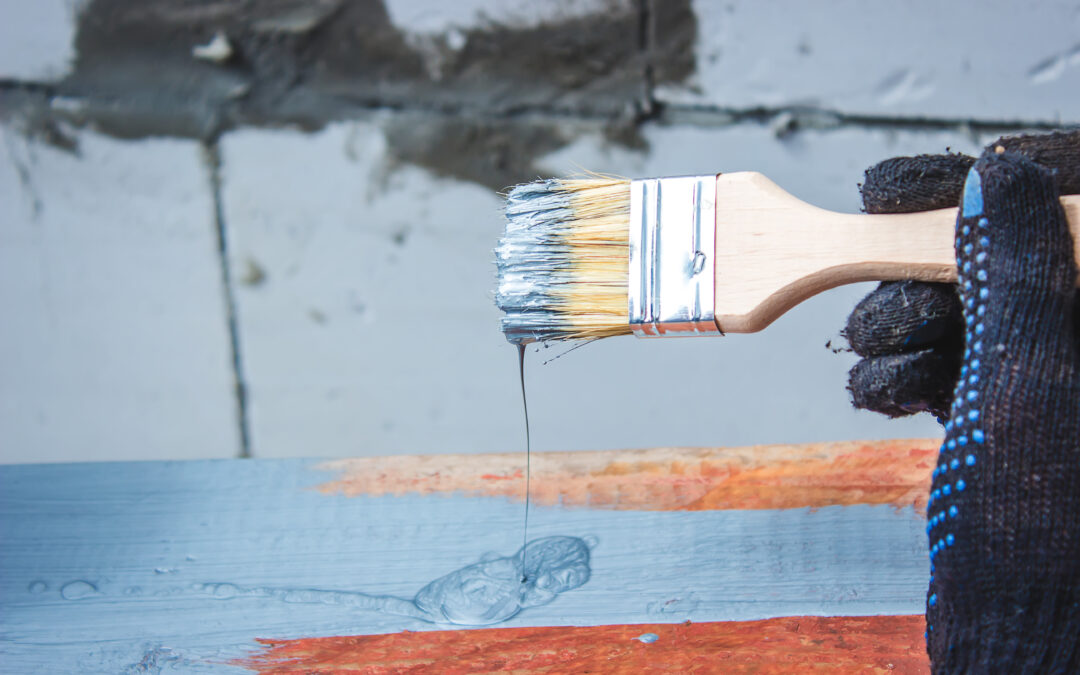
x=264, y=228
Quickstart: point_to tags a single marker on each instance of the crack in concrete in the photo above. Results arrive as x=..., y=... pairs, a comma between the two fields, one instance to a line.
x=813, y=118
x=212, y=160
x=805, y=117
x=26, y=179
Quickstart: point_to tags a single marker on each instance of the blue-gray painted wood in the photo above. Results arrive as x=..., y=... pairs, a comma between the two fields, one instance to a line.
x=114, y=567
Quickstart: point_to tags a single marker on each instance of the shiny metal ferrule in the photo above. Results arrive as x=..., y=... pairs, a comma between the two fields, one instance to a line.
x=672, y=256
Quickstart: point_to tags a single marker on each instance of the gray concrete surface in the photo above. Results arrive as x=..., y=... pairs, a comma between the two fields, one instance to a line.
x=36, y=39
x=349, y=154
x=112, y=344
x=917, y=58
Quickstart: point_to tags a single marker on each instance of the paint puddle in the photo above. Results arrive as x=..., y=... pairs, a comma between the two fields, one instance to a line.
x=484, y=593
x=78, y=590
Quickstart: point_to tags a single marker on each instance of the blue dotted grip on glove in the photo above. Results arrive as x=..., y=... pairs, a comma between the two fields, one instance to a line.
x=1004, y=508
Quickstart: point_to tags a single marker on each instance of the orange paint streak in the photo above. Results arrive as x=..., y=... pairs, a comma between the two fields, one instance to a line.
x=664, y=479
x=517, y=475
x=872, y=644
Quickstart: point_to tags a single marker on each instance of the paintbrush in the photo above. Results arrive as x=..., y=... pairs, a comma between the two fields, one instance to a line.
x=696, y=255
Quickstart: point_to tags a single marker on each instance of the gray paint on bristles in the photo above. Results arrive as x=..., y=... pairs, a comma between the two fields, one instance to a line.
x=562, y=262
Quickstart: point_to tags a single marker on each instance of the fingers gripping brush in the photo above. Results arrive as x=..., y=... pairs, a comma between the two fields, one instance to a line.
x=696, y=255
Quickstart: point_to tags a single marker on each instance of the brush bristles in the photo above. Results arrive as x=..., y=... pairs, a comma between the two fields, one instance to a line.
x=563, y=263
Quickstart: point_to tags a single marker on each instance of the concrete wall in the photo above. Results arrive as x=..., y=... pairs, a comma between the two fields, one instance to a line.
x=277, y=242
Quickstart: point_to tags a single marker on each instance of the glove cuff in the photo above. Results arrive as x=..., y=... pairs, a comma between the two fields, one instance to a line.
x=1021, y=629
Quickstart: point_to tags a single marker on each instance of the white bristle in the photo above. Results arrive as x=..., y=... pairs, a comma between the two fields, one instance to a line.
x=563, y=260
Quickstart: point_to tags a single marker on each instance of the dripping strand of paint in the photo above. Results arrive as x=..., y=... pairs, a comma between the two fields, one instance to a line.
x=528, y=442
x=491, y=591
x=528, y=459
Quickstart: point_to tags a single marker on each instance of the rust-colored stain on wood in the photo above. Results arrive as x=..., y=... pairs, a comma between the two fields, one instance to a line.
x=871, y=644
x=664, y=479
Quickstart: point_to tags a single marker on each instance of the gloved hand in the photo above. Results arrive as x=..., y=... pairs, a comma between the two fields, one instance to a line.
x=909, y=333
x=997, y=359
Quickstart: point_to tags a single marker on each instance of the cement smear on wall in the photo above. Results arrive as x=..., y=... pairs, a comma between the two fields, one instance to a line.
x=493, y=94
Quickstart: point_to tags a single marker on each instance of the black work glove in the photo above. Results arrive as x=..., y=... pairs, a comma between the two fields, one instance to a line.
x=997, y=358
x=910, y=333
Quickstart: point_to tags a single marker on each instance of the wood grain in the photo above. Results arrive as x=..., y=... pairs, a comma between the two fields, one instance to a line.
x=664, y=479
x=182, y=566
x=872, y=644
x=774, y=250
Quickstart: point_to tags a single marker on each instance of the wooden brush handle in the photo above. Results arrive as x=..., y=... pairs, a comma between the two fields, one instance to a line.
x=773, y=250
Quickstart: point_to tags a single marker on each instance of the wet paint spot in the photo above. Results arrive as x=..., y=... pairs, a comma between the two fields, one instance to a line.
x=485, y=593
x=78, y=590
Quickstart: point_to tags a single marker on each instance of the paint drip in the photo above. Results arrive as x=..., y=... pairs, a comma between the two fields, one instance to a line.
x=528, y=460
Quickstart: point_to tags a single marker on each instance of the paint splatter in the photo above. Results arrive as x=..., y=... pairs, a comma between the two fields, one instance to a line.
x=485, y=593
x=78, y=590
x=871, y=644
x=665, y=479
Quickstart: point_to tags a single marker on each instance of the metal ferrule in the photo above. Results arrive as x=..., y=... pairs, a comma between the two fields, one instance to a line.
x=672, y=251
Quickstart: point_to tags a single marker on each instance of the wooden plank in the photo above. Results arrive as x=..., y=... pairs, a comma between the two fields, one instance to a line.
x=665, y=479
x=186, y=565
x=872, y=644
